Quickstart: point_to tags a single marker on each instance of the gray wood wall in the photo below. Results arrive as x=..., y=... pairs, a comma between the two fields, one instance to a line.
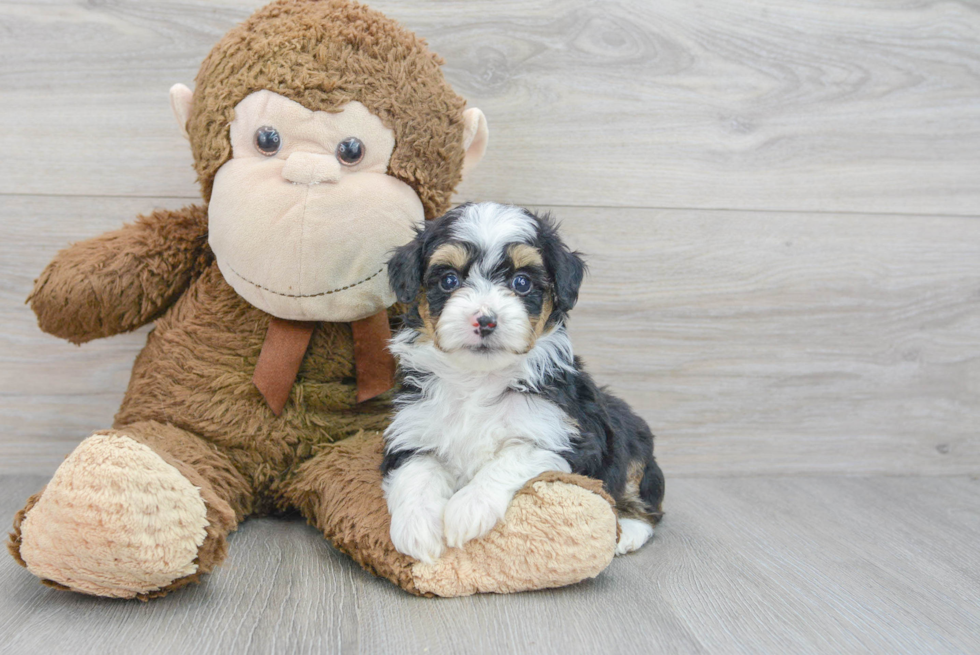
x=780, y=201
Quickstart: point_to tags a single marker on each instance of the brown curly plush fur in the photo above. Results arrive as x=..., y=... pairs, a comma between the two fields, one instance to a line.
x=323, y=54
x=196, y=373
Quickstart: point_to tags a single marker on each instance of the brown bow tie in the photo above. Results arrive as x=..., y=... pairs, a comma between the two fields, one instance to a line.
x=286, y=343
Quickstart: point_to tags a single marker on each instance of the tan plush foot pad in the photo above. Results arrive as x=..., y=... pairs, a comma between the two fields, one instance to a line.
x=556, y=532
x=115, y=520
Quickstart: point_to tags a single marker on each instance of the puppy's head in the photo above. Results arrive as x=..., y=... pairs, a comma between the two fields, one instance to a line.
x=486, y=279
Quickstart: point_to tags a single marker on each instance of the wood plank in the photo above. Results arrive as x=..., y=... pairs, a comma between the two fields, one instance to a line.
x=832, y=106
x=751, y=343
x=740, y=565
x=52, y=393
x=788, y=343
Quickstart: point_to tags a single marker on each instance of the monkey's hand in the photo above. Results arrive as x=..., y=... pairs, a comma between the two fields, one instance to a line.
x=123, y=279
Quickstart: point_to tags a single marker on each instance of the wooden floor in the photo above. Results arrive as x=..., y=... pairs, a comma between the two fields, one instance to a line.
x=761, y=564
x=780, y=205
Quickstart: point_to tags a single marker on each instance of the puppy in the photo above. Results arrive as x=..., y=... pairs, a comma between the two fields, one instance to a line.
x=491, y=393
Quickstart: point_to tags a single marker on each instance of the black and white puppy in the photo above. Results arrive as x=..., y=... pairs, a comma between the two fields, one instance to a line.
x=491, y=394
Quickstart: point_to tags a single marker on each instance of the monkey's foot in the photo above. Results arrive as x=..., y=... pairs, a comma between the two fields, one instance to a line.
x=559, y=529
x=116, y=520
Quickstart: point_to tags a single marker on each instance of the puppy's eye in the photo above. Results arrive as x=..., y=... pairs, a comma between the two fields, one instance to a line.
x=449, y=281
x=521, y=284
x=267, y=140
x=350, y=151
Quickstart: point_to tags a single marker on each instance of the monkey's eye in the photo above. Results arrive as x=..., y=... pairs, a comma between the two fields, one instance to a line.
x=521, y=284
x=449, y=281
x=350, y=151
x=267, y=140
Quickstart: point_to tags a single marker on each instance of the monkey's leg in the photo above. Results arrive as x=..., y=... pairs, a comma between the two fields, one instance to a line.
x=133, y=512
x=559, y=529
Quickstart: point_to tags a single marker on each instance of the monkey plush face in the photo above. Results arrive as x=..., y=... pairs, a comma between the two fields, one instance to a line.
x=303, y=216
x=322, y=132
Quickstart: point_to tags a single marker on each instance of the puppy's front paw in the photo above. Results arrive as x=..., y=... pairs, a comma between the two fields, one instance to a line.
x=471, y=513
x=418, y=535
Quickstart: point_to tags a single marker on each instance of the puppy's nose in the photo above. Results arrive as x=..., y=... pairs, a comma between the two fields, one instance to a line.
x=485, y=324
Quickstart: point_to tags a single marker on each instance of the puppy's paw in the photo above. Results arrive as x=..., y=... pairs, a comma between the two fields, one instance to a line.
x=418, y=534
x=633, y=534
x=471, y=513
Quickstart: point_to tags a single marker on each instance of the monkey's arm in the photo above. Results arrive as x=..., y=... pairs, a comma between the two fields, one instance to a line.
x=123, y=279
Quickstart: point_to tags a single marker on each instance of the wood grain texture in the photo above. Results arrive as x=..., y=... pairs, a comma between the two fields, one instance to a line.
x=751, y=343
x=838, y=105
x=788, y=343
x=739, y=565
x=52, y=394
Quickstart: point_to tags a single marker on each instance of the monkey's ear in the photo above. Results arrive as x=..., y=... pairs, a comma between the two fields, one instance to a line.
x=475, y=138
x=405, y=270
x=181, y=100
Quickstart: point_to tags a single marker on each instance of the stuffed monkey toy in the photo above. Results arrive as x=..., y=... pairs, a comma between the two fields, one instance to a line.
x=322, y=133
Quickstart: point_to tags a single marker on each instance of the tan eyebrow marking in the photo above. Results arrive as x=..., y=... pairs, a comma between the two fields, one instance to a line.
x=522, y=255
x=451, y=254
x=428, y=325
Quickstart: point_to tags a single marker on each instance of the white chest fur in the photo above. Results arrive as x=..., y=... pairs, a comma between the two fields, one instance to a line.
x=466, y=418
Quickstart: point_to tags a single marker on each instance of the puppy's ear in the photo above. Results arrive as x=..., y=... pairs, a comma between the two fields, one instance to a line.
x=405, y=270
x=566, y=267
x=569, y=272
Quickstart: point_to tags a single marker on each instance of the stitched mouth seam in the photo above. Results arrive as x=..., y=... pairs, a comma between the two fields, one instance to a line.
x=307, y=295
